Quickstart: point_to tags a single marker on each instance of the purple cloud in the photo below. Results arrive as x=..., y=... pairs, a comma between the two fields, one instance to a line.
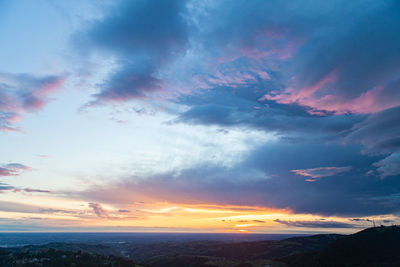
x=6, y=187
x=24, y=93
x=13, y=169
x=98, y=210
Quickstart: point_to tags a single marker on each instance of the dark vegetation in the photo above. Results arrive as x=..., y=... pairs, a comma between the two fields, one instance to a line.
x=52, y=257
x=378, y=246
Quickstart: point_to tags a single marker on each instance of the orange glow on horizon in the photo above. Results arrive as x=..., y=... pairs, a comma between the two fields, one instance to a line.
x=75, y=215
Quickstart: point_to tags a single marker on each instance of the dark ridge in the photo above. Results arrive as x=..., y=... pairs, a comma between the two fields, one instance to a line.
x=378, y=246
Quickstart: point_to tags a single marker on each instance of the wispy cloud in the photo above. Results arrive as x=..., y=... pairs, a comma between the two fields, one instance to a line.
x=6, y=187
x=13, y=169
x=389, y=166
x=24, y=93
x=320, y=172
x=317, y=224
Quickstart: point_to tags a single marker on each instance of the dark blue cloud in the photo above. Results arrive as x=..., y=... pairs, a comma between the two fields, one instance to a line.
x=322, y=76
x=229, y=109
x=142, y=36
x=379, y=133
x=357, y=42
x=126, y=83
x=254, y=51
x=265, y=179
x=135, y=27
x=341, y=58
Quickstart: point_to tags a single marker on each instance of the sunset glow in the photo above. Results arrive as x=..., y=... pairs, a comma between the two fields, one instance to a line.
x=199, y=116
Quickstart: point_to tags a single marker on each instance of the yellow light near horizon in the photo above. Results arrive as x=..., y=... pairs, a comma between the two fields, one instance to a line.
x=154, y=216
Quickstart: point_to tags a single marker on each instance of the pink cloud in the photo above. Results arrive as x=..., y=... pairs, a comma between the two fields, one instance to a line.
x=23, y=93
x=304, y=96
x=13, y=169
x=321, y=98
x=317, y=173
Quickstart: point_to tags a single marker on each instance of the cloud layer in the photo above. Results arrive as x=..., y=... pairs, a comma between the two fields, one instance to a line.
x=321, y=76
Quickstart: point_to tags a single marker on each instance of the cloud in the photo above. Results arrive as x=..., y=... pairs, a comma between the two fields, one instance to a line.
x=264, y=179
x=379, y=133
x=51, y=211
x=389, y=166
x=360, y=220
x=17, y=207
x=30, y=190
x=243, y=110
x=310, y=70
x=345, y=65
x=316, y=224
x=313, y=54
x=320, y=172
x=143, y=36
x=98, y=210
x=319, y=75
x=13, y=169
x=331, y=48
x=124, y=211
x=24, y=93
x=335, y=85
x=6, y=187
x=126, y=84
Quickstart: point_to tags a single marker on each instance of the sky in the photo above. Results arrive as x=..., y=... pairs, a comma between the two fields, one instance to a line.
x=199, y=115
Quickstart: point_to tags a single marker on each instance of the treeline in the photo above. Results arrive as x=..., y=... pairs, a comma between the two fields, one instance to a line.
x=51, y=257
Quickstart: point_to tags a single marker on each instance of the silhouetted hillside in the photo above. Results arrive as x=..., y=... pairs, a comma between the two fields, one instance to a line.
x=379, y=246
x=199, y=253
x=211, y=253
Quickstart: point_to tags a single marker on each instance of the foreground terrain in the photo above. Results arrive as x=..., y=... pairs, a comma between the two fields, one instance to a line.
x=377, y=246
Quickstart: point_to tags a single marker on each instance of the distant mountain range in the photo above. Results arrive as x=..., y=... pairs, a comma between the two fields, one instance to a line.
x=379, y=246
